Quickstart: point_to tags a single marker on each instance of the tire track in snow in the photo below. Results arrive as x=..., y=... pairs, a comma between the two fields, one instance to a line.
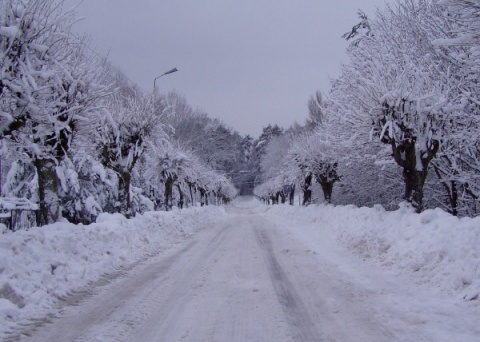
x=171, y=304
x=115, y=316
x=301, y=324
x=78, y=327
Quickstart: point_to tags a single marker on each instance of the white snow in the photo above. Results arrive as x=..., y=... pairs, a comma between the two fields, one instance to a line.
x=416, y=271
x=41, y=265
x=434, y=248
x=9, y=31
x=463, y=39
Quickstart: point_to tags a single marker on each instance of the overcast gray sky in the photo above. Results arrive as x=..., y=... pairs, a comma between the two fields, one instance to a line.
x=246, y=62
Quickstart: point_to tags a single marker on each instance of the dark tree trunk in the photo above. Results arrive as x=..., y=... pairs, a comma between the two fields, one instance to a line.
x=123, y=199
x=327, y=187
x=283, y=197
x=291, y=196
x=180, y=195
x=277, y=197
x=190, y=187
x=48, y=182
x=451, y=190
x=307, y=193
x=168, y=193
x=49, y=206
x=202, y=197
x=307, y=197
x=414, y=181
x=405, y=155
x=453, y=198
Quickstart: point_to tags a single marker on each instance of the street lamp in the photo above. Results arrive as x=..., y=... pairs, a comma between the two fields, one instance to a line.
x=165, y=73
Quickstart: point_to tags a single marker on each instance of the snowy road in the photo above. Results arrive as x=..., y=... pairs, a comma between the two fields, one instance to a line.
x=251, y=278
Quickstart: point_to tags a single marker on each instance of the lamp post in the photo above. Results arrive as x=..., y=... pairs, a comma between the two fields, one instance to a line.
x=165, y=73
x=152, y=190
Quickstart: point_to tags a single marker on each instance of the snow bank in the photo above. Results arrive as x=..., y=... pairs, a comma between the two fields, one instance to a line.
x=39, y=266
x=434, y=247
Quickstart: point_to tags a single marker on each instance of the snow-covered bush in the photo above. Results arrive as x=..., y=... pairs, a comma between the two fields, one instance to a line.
x=87, y=189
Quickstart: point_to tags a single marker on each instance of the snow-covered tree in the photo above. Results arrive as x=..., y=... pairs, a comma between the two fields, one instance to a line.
x=243, y=177
x=21, y=181
x=396, y=80
x=172, y=166
x=458, y=164
x=128, y=126
x=466, y=14
x=315, y=111
x=315, y=156
x=49, y=84
x=87, y=188
x=209, y=139
x=278, y=170
x=259, y=150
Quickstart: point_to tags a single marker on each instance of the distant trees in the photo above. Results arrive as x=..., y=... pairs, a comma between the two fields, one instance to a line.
x=215, y=145
x=182, y=173
x=259, y=149
x=315, y=156
x=280, y=174
x=292, y=161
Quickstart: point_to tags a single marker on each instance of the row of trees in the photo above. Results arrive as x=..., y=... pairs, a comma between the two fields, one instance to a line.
x=297, y=158
x=407, y=103
x=78, y=138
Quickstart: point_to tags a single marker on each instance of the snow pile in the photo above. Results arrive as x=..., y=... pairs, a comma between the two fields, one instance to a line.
x=434, y=247
x=39, y=266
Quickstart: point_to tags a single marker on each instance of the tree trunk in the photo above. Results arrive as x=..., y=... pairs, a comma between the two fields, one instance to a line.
x=49, y=204
x=180, y=195
x=125, y=206
x=327, y=187
x=451, y=190
x=291, y=196
x=277, y=198
x=168, y=194
x=454, y=199
x=414, y=177
x=282, y=197
x=414, y=181
x=307, y=193
x=202, y=197
x=190, y=186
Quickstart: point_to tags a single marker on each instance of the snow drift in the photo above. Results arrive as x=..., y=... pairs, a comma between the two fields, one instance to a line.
x=434, y=247
x=42, y=265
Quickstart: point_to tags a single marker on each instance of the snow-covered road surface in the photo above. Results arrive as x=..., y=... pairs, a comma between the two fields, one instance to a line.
x=255, y=278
